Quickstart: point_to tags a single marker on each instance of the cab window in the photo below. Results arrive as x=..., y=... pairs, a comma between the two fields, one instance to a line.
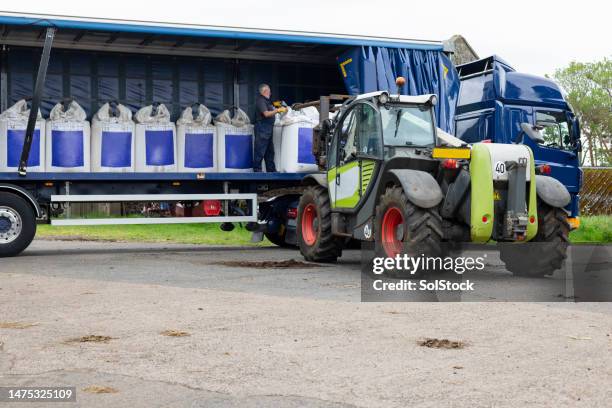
x=347, y=142
x=369, y=141
x=556, y=130
x=407, y=126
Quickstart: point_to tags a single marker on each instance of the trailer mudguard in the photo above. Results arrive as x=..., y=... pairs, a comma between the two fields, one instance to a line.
x=23, y=193
x=552, y=192
x=420, y=187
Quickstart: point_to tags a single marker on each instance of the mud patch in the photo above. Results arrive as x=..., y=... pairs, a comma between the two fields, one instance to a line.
x=16, y=325
x=441, y=343
x=289, y=263
x=92, y=338
x=97, y=389
x=70, y=238
x=174, y=333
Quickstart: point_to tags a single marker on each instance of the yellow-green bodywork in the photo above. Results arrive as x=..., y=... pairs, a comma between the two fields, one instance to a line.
x=481, y=195
x=532, y=207
x=482, y=198
x=365, y=177
x=367, y=170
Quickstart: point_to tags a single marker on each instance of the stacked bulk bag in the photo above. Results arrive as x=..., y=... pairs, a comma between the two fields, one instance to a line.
x=277, y=141
x=235, y=142
x=68, y=138
x=296, y=147
x=13, y=123
x=112, y=139
x=155, y=140
x=197, y=140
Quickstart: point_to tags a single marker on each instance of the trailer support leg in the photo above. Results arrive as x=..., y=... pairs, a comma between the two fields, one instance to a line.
x=38, y=89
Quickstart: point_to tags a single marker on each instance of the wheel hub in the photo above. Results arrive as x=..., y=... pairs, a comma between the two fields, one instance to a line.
x=310, y=224
x=10, y=225
x=392, y=231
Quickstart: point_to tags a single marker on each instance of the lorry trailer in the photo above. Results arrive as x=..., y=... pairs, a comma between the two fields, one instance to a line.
x=94, y=61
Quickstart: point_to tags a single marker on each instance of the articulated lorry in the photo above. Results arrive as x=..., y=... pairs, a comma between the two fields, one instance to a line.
x=139, y=64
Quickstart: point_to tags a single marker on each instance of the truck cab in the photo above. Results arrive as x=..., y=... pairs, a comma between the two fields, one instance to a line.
x=494, y=100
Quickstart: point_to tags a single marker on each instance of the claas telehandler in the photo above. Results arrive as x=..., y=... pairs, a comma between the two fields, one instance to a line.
x=391, y=177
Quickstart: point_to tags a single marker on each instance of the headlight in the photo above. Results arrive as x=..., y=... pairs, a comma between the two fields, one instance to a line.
x=383, y=98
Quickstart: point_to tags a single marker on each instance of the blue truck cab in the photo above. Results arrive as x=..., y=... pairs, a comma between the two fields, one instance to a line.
x=494, y=100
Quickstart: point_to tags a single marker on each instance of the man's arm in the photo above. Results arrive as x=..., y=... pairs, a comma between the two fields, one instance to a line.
x=263, y=109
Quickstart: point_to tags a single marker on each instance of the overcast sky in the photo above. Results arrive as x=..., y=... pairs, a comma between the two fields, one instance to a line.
x=535, y=36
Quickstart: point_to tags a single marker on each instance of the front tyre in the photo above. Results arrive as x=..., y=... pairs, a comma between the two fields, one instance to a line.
x=404, y=228
x=17, y=224
x=549, y=251
x=314, y=234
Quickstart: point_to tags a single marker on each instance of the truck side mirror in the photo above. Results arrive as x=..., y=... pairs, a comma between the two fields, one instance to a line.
x=533, y=132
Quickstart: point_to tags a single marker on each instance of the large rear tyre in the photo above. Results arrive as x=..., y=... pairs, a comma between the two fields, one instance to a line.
x=17, y=224
x=549, y=251
x=314, y=234
x=403, y=228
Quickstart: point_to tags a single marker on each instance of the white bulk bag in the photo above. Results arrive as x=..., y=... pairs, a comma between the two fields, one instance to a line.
x=68, y=139
x=296, y=147
x=277, y=142
x=155, y=140
x=197, y=140
x=13, y=123
x=112, y=139
x=235, y=142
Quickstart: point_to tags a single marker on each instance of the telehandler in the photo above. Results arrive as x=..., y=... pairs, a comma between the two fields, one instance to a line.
x=391, y=177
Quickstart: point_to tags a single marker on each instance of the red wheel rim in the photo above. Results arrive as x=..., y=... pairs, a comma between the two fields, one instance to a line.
x=392, y=220
x=309, y=229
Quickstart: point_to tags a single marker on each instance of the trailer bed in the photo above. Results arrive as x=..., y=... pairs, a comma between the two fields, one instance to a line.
x=254, y=177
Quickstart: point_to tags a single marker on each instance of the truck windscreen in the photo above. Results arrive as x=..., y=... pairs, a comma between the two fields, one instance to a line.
x=556, y=130
x=407, y=126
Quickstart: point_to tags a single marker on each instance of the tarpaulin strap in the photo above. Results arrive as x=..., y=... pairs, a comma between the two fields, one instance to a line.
x=195, y=110
x=113, y=110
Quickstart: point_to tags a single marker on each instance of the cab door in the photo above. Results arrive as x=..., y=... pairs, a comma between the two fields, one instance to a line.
x=358, y=146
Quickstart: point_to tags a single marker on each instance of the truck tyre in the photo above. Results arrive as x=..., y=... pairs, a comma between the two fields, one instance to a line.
x=403, y=228
x=549, y=251
x=278, y=239
x=17, y=224
x=315, y=239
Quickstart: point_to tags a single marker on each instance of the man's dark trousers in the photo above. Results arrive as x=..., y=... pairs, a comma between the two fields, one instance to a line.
x=264, y=147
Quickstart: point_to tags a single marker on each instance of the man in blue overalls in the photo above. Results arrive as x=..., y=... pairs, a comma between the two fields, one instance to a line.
x=264, y=127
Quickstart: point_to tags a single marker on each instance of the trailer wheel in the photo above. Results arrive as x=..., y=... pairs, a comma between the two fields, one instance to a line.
x=549, y=251
x=403, y=228
x=17, y=224
x=315, y=239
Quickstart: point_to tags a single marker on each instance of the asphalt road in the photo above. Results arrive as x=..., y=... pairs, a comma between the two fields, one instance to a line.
x=297, y=336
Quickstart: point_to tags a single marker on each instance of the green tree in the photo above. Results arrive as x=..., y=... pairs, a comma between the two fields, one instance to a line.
x=589, y=88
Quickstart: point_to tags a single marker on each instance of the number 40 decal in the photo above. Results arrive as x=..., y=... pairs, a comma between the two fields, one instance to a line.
x=500, y=167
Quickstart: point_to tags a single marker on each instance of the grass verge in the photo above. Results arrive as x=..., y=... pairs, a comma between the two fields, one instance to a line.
x=594, y=229
x=176, y=233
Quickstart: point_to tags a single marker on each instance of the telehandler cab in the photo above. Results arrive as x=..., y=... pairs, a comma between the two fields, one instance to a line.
x=393, y=178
